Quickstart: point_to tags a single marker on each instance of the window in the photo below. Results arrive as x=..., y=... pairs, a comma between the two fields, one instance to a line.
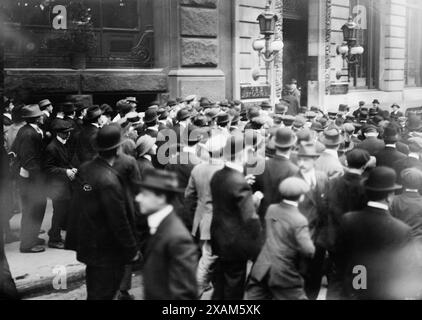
x=413, y=67
x=365, y=15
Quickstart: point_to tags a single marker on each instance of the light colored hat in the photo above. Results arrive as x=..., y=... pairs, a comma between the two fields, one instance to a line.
x=144, y=144
x=293, y=187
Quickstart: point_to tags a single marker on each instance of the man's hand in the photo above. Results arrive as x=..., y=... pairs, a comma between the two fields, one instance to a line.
x=137, y=257
x=250, y=179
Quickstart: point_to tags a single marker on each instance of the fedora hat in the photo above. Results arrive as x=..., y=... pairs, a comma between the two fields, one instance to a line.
x=285, y=138
x=265, y=105
x=79, y=106
x=376, y=101
x=281, y=108
x=171, y=103
x=382, y=179
x=151, y=116
x=331, y=137
x=160, y=180
x=190, y=98
x=108, y=138
x=31, y=111
x=132, y=100
x=308, y=150
x=317, y=126
x=183, y=114
x=93, y=112
x=144, y=144
x=223, y=118
x=44, y=104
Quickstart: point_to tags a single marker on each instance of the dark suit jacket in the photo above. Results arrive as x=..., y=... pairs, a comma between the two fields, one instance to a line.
x=407, y=207
x=236, y=233
x=344, y=194
x=388, y=157
x=105, y=226
x=170, y=265
x=83, y=144
x=374, y=239
x=144, y=165
x=57, y=161
x=29, y=148
x=277, y=170
x=372, y=145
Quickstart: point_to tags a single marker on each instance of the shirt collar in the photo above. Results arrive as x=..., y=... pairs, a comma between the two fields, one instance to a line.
x=391, y=146
x=412, y=190
x=96, y=125
x=36, y=128
x=414, y=155
x=155, y=219
x=355, y=171
x=331, y=152
x=378, y=205
x=310, y=177
x=235, y=166
x=46, y=113
x=59, y=116
x=148, y=157
x=291, y=203
x=62, y=141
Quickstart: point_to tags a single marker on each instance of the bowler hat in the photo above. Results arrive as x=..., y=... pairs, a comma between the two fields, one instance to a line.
x=31, y=111
x=391, y=133
x=317, y=126
x=162, y=114
x=212, y=113
x=160, y=180
x=68, y=107
x=183, y=114
x=224, y=103
x=362, y=103
x=412, y=178
x=382, y=179
x=171, y=103
x=144, y=144
x=44, y=104
x=190, y=98
x=357, y=158
x=308, y=150
x=293, y=188
x=395, y=105
x=151, y=116
x=299, y=122
x=62, y=126
x=331, y=137
x=281, y=108
x=124, y=106
x=285, y=138
x=93, y=113
x=108, y=138
x=204, y=102
x=253, y=113
x=375, y=101
x=343, y=108
x=200, y=121
x=81, y=106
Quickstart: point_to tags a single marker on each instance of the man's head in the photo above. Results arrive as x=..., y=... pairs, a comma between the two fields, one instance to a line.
x=32, y=114
x=46, y=105
x=307, y=155
x=376, y=104
x=293, y=189
x=285, y=140
x=415, y=145
x=332, y=138
x=381, y=184
x=395, y=107
x=108, y=141
x=62, y=129
x=358, y=159
x=93, y=114
x=157, y=190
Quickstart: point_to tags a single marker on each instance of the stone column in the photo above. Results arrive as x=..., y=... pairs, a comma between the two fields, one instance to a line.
x=187, y=45
x=393, y=46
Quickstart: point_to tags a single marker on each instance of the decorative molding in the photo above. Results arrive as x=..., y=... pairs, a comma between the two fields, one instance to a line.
x=143, y=49
x=278, y=62
x=328, y=46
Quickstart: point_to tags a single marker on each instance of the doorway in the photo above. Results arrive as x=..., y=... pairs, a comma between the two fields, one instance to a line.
x=295, y=54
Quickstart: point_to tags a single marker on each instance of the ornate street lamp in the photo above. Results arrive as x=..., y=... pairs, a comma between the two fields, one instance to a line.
x=267, y=48
x=350, y=50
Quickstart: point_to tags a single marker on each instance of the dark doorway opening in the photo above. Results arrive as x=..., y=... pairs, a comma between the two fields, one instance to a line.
x=295, y=54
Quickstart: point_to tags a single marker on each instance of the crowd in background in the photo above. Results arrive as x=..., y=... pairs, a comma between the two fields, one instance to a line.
x=250, y=201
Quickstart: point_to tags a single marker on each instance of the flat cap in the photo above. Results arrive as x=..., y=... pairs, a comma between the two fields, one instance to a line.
x=415, y=144
x=293, y=187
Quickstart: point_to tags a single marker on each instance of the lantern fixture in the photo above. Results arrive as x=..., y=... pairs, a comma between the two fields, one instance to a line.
x=350, y=50
x=267, y=21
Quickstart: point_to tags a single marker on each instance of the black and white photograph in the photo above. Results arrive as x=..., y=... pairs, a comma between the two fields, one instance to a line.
x=223, y=153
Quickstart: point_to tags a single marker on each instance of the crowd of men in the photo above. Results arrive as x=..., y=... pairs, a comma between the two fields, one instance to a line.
x=251, y=202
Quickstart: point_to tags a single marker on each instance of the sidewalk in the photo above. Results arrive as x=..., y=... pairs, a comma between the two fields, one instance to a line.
x=34, y=273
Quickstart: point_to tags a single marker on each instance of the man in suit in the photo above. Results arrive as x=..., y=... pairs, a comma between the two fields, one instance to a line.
x=389, y=156
x=407, y=207
x=106, y=236
x=182, y=165
x=396, y=114
x=312, y=207
x=199, y=204
x=413, y=160
x=372, y=239
x=329, y=161
x=236, y=234
x=338, y=204
x=276, y=275
x=151, y=124
x=169, y=271
x=84, y=150
x=371, y=143
x=59, y=172
x=29, y=148
x=276, y=170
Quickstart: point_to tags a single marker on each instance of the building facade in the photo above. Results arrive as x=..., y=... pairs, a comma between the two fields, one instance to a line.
x=160, y=49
